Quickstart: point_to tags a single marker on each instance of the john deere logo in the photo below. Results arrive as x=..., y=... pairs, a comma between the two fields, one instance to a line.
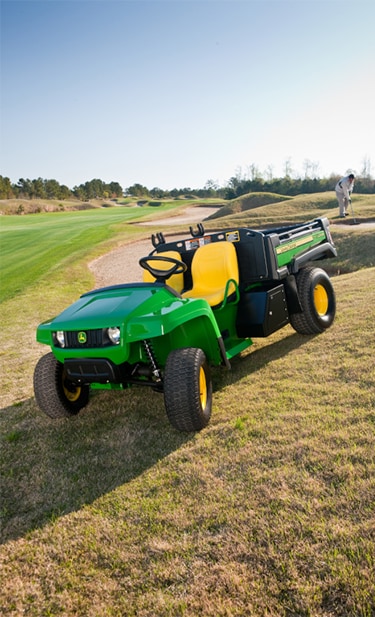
x=82, y=338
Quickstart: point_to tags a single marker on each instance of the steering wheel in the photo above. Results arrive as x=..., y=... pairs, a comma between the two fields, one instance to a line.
x=178, y=267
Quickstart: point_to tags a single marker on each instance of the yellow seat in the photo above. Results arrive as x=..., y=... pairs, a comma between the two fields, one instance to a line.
x=176, y=281
x=214, y=272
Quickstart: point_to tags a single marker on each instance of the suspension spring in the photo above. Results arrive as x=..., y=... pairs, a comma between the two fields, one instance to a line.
x=150, y=354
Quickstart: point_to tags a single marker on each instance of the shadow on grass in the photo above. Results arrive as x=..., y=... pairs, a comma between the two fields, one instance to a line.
x=50, y=468
x=258, y=357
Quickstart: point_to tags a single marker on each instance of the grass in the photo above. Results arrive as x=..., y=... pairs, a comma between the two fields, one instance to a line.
x=33, y=206
x=248, y=202
x=267, y=512
x=257, y=210
x=61, y=238
x=355, y=250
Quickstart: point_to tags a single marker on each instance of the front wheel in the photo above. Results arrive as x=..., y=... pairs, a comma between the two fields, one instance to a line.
x=317, y=299
x=188, y=389
x=55, y=395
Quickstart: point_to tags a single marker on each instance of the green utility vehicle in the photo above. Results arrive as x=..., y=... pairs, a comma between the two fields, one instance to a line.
x=201, y=301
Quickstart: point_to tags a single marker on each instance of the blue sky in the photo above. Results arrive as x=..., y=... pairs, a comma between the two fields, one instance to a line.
x=172, y=93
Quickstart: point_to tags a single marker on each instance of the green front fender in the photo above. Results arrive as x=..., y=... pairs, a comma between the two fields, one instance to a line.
x=184, y=323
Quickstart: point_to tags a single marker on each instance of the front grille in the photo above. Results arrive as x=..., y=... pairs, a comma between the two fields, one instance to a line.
x=94, y=338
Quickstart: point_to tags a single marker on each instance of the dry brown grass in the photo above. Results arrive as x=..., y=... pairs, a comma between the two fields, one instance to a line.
x=246, y=210
x=269, y=512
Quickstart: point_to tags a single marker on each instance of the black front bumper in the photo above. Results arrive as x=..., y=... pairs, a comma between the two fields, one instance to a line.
x=92, y=370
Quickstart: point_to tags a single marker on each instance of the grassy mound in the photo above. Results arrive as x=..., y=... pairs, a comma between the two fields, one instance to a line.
x=293, y=210
x=247, y=202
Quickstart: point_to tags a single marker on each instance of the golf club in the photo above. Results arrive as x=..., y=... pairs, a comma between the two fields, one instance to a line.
x=351, y=207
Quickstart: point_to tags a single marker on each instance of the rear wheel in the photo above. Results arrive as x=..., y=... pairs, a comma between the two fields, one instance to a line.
x=55, y=395
x=317, y=299
x=188, y=389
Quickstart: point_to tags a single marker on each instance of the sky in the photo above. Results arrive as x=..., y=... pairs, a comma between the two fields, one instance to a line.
x=176, y=93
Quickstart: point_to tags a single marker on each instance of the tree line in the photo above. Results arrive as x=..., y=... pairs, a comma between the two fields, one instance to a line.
x=287, y=185
x=239, y=184
x=52, y=189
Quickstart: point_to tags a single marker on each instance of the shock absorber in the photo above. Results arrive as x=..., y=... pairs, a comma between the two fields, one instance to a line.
x=150, y=354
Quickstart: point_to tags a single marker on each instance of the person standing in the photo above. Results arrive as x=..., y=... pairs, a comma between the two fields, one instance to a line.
x=344, y=189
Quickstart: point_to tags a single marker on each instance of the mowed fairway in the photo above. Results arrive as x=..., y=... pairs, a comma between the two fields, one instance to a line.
x=35, y=245
x=269, y=512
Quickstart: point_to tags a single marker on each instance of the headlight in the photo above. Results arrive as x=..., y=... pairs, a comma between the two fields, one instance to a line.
x=114, y=335
x=60, y=338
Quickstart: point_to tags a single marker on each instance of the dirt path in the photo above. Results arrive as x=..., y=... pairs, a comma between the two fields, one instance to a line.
x=121, y=265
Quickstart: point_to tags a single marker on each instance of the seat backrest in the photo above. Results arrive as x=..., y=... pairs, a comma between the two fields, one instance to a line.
x=176, y=281
x=212, y=267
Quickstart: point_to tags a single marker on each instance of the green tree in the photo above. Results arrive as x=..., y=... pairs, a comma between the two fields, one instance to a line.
x=65, y=192
x=79, y=192
x=137, y=190
x=24, y=188
x=114, y=189
x=52, y=189
x=6, y=189
x=37, y=189
x=158, y=193
x=91, y=189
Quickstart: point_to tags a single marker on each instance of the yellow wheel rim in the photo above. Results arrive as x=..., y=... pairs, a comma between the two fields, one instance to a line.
x=71, y=395
x=202, y=388
x=320, y=299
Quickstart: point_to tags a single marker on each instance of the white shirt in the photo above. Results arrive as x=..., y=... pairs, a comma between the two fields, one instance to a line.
x=345, y=186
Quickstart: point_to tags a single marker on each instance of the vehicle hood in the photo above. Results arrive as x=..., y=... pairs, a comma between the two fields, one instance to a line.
x=111, y=306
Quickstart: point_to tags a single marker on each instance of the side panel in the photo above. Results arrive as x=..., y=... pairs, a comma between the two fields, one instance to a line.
x=262, y=312
x=288, y=250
